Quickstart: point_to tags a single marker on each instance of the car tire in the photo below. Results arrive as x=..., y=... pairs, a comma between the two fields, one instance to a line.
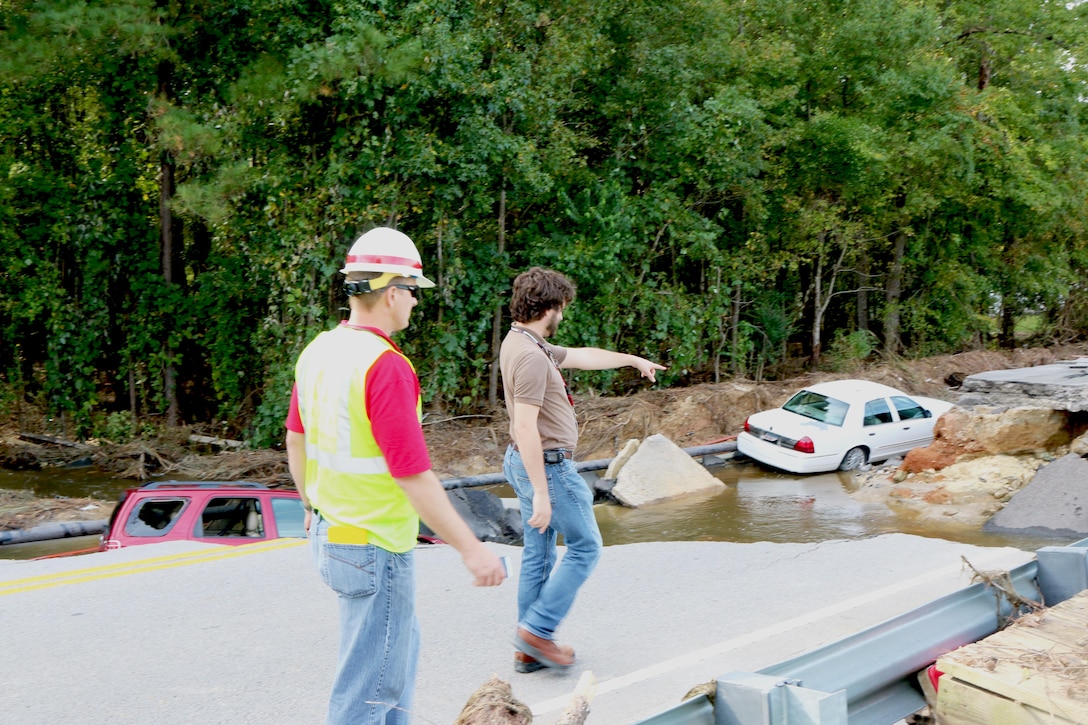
x=854, y=459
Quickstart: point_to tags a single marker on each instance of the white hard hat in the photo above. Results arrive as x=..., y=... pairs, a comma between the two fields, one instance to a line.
x=386, y=250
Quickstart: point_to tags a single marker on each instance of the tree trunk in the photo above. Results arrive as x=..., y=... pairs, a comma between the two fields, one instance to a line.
x=863, y=292
x=133, y=407
x=1007, y=339
x=167, y=248
x=739, y=366
x=719, y=344
x=893, y=295
x=818, y=304
x=441, y=271
x=496, y=322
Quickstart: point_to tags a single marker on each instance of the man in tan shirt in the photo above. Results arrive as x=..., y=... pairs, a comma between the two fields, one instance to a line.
x=539, y=463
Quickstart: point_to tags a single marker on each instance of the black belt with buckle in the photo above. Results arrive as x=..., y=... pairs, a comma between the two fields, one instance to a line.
x=557, y=455
x=553, y=455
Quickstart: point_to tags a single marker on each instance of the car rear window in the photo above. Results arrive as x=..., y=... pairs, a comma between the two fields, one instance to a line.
x=155, y=516
x=290, y=517
x=818, y=407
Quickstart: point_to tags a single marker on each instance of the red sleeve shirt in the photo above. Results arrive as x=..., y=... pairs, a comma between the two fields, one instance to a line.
x=294, y=420
x=392, y=390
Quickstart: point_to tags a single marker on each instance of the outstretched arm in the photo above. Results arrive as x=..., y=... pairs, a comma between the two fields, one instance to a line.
x=594, y=358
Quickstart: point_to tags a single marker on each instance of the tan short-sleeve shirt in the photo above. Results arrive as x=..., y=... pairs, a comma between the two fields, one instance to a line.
x=528, y=376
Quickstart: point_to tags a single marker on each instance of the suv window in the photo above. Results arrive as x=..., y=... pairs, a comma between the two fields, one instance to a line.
x=235, y=516
x=290, y=517
x=154, y=517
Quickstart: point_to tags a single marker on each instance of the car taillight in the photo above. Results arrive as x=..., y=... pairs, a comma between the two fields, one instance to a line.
x=804, y=446
x=747, y=428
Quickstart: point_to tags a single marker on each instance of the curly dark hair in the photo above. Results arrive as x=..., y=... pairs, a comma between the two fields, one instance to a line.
x=538, y=290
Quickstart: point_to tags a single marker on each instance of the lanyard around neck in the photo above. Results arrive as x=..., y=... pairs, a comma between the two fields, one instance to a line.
x=531, y=336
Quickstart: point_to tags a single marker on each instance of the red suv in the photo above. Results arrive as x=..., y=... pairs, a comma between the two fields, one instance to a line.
x=212, y=512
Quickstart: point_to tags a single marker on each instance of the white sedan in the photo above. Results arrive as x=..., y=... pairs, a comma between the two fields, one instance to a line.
x=842, y=424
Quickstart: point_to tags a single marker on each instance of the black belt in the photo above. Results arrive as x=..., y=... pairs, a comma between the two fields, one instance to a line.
x=553, y=455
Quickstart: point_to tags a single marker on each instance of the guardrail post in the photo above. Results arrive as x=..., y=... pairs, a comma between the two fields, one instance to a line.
x=745, y=698
x=1063, y=572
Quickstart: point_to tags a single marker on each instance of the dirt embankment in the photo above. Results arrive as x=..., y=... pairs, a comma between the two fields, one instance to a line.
x=469, y=445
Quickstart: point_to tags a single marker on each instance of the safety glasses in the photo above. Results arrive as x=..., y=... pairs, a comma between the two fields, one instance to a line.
x=411, y=288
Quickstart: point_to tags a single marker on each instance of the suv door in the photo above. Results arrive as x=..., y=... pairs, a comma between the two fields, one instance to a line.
x=233, y=517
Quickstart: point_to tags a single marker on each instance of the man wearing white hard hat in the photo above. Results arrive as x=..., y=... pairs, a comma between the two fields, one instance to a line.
x=357, y=456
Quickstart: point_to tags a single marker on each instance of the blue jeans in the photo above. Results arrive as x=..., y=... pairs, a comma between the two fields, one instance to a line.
x=379, y=632
x=545, y=596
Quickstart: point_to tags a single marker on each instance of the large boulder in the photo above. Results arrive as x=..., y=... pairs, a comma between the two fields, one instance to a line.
x=991, y=431
x=1054, y=503
x=658, y=471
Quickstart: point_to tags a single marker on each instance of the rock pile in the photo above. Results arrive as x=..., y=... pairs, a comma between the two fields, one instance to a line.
x=981, y=456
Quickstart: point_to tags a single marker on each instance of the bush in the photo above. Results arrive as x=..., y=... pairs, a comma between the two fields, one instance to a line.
x=849, y=350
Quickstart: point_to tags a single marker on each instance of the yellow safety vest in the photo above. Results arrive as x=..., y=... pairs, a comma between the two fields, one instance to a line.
x=347, y=478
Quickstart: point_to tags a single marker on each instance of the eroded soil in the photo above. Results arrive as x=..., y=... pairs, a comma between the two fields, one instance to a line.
x=470, y=445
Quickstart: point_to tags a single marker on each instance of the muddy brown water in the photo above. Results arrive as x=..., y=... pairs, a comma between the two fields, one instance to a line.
x=757, y=504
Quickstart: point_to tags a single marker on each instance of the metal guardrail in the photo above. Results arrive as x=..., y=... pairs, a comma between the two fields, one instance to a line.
x=876, y=668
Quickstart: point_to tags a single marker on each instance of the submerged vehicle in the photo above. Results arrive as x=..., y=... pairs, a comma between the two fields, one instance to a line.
x=214, y=512
x=842, y=424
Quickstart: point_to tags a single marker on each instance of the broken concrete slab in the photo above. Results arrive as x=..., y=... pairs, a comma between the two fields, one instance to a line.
x=1053, y=503
x=621, y=458
x=658, y=471
x=1061, y=386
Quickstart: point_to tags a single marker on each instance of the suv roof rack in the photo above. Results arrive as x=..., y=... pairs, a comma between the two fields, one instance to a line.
x=203, y=484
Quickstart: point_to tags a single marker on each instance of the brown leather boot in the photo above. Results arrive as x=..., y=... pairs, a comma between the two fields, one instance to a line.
x=544, y=651
x=525, y=664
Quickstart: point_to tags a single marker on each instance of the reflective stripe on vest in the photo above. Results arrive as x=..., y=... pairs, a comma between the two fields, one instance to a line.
x=344, y=463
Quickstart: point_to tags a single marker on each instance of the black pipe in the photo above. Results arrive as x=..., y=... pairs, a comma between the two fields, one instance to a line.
x=488, y=479
x=58, y=530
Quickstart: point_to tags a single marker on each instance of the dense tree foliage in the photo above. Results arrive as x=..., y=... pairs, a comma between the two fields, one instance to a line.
x=732, y=185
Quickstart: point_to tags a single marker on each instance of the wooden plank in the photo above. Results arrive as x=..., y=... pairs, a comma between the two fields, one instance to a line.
x=1072, y=611
x=960, y=703
x=1014, y=682
x=34, y=438
x=1027, y=640
x=1070, y=635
